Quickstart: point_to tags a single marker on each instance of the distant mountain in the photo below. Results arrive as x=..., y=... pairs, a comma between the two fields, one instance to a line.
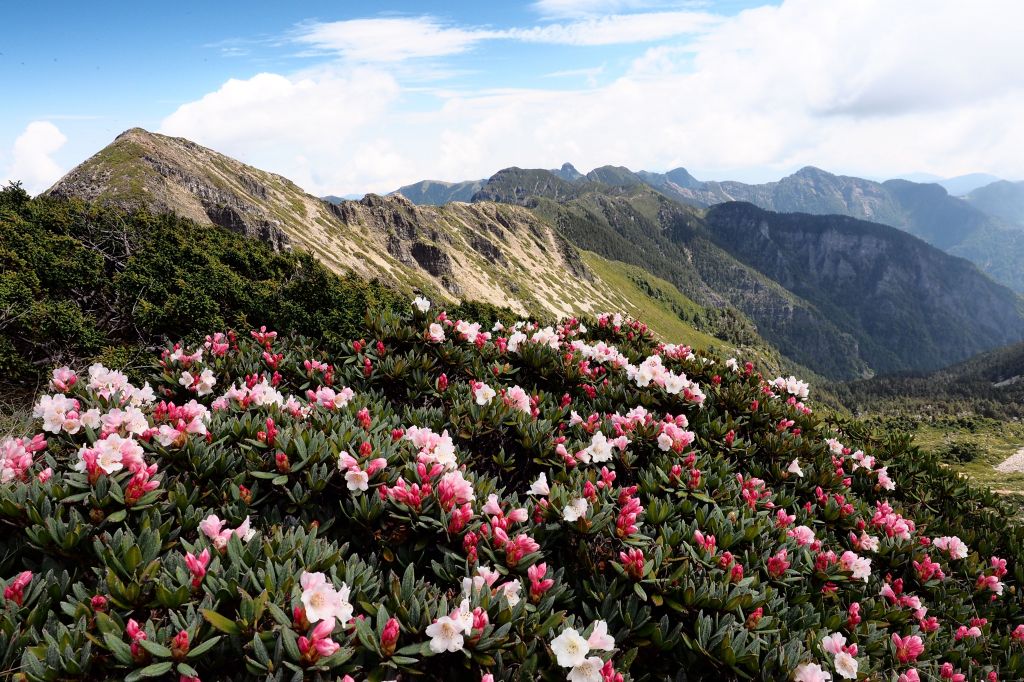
x=841, y=296
x=1002, y=199
x=906, y=302
x=568, y=172
x=333, y=199
x=990, y=384
x=964, y=184
x=925, y=210
x=438, y=193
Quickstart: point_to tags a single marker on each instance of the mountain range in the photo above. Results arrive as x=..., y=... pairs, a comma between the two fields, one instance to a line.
x=843, y=297
x=984, y=226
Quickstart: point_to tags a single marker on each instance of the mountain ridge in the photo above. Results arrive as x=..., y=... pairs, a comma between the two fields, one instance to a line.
x=675, y=241
x=959, y=225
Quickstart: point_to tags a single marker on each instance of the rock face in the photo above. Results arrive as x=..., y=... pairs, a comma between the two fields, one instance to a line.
x=910, y=305
x=496, y=253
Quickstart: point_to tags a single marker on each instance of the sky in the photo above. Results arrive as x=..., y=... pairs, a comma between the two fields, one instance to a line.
x=349, y=97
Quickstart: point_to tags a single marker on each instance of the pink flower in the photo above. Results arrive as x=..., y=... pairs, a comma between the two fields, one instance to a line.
x=953, y=546
x=136, y=634
x=213, y=527
x=319, y=642
x=197, y=566
x=859, y=566
x=778, y=564
x=15, y=592
x=802, y=534
x=389, y=637
x=947, y=672
x=63, y=379
x=907, y=648
x=322, y=601
x=811, y=672
x=633, y=563
x=538, y=583
x=834, y=643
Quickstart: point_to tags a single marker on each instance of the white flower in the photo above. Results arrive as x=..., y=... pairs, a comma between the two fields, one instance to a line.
x=445, y=635
x=108, y=456
x=91, y=418
x=599, y=637
x=357, y=479
x=206, y=382
x=575, y=509
x=794, y=468
x=570, y=648
x=464, y=616
x=540, y=486
x=483, y=393
x=600, y=449
x=421, y=304
x=846, y=665
x=511, y=590
x=732, y=364
x=587, y=671
x=664, y=441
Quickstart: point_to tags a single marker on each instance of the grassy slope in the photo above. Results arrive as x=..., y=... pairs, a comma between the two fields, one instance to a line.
x=656, y=313
x=995, y=440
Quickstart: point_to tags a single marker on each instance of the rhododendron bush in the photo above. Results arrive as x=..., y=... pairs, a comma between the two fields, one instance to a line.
x=444, y=501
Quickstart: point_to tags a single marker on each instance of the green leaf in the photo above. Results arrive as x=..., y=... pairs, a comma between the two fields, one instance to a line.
x=220, y=622
x=122, y=652
x=156, y=649
x=201, y=649
x=155, y=670
x=118, y=516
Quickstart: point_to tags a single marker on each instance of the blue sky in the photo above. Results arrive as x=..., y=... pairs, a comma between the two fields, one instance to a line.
x=356, y=96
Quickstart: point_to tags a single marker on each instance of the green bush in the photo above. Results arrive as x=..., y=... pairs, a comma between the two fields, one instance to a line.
x=546, y=504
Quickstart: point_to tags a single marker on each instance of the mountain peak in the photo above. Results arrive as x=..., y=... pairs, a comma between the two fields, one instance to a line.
x=813, y=172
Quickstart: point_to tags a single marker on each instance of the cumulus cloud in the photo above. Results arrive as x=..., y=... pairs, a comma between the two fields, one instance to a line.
x=304, y=127
x=31, y=157
x=858, y=86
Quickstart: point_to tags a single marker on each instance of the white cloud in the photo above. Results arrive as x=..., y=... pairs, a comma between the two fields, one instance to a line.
x=31, y=157
x=560, y=9
x=857, y=86
x=618, y=29
x=392, y=39
x=291, y=125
